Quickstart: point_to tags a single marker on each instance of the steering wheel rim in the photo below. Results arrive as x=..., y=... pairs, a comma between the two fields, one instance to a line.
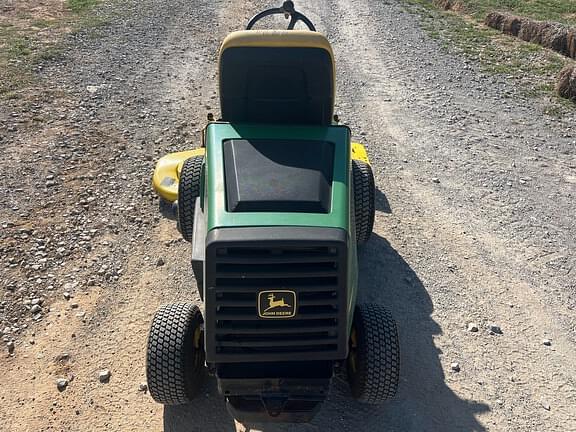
x=288, y=10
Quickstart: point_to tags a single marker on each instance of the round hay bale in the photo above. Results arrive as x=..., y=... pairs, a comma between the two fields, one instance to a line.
x=531, y=31
x=566, y=85
x=541, y=28
x=555, y=36
x=494, y=20
x=511, y=25
x=458, y=6
x=444, y=4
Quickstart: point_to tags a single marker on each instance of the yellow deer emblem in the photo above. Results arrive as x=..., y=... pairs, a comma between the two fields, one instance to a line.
x=273, y=303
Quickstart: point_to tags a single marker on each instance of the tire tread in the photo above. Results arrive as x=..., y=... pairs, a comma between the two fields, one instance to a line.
x=173, y=378
x=364, y=195
x=378, y=355
x=188, y=191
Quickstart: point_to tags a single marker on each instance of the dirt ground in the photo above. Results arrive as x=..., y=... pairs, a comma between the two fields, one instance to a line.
x=475, y=224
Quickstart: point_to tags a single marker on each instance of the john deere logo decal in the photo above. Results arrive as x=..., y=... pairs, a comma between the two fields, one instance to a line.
x=277, y=304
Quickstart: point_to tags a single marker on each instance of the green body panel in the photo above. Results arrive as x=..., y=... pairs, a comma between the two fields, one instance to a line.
x=214, y=199
x=219, y=217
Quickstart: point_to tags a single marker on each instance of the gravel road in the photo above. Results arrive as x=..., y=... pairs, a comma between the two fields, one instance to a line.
x=475, y=225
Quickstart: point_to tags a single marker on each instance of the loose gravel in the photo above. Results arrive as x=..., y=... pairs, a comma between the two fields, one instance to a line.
x=474, y=224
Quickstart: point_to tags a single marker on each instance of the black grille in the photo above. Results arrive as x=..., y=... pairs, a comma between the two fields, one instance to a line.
x=316, y=273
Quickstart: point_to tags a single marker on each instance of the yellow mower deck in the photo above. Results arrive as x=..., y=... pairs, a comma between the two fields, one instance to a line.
x=167, y=171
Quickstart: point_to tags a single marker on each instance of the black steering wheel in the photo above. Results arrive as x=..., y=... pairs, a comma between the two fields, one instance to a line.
x=288, y=10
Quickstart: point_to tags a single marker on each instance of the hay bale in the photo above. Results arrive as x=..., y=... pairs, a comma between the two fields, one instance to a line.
x=511, y=25
x=455, y=5
x=555, y=37
x=444, y=4
x=494, y=20
x=548, y=34
x=531, y=31
x=566, y=85
x=507, y=23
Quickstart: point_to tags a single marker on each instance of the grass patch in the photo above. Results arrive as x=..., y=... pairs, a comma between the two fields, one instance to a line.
x=18, y=47
x=559, y=107
x=49, y=54
x=43, y=24
x=27, y=40
x=532, y=66
x=81, y=6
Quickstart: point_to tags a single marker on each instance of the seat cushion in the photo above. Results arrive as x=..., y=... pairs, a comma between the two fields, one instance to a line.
x=278, y=77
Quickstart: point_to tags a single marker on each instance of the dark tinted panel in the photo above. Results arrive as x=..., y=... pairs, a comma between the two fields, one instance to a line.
x=278, y=175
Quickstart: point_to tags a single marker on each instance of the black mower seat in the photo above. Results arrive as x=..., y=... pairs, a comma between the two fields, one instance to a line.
x=277, y=76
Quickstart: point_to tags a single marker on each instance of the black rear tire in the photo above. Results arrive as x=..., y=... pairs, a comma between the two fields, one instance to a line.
x=364, y=192
x=175, y=359
x=373, y=363
x=188, y=191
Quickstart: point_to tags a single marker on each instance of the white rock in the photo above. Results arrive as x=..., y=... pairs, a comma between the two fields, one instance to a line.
x=104, y=375
x=61, y=384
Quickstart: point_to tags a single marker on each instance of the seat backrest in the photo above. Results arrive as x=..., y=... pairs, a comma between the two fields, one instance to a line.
x=277, y=76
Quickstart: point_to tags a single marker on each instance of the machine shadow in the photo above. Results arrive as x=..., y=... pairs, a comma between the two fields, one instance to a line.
x=381, y=202
x=424, y=401
x=207, y=413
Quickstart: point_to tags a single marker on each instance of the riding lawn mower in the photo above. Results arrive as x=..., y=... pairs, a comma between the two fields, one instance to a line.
x=275, y=203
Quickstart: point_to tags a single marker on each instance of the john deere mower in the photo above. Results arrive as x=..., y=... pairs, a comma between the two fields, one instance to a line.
x=275, y=203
